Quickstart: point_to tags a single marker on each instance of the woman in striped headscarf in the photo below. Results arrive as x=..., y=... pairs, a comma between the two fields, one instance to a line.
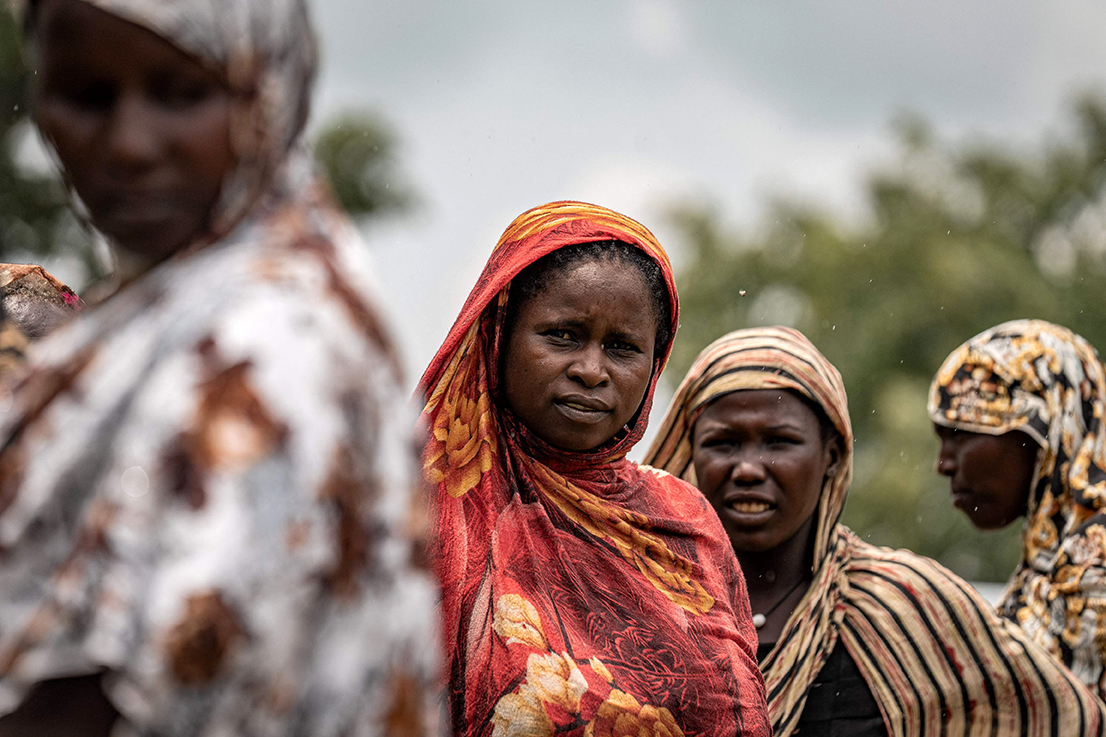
x=1019, y=409
x=582, y=595
x=855, y=639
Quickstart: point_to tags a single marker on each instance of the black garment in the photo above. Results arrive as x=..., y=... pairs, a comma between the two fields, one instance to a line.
x=839, y=703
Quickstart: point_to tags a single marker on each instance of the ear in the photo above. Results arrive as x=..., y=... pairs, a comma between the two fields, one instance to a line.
x=833, y=452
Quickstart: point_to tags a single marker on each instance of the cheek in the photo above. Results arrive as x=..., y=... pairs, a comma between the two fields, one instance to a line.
x=72, y=133
x=804, y=481
x=710, y=473
x=525, y=371
x=203, y=139
x=634, y=382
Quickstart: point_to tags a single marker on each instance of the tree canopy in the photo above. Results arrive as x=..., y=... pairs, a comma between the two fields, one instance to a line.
x=960, y=236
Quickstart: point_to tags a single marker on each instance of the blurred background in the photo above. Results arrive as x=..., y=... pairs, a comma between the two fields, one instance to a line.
x=890, y=178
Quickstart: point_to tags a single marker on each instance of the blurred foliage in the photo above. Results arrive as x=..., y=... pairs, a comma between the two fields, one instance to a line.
x=961, y=236
x=357, y=152
x=33, y=211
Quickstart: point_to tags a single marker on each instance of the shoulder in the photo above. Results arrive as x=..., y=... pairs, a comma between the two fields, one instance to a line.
x=914, y=579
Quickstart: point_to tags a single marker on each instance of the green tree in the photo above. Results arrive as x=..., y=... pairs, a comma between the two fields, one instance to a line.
x=961, y=236
x=357, y=153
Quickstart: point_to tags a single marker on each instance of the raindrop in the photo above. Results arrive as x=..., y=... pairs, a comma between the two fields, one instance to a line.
x=135, y=482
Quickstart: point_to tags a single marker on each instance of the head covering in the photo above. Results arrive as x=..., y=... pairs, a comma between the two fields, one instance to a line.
x=580, y=592
x=32, y=303
x=265, y=51
x=206, y=485
x=936, y=658
x=1045, y=381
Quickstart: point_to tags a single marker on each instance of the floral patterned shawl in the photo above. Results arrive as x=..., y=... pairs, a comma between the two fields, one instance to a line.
x=206, y=483
x=582, y=594
x=936, y=657
x=1047, y=382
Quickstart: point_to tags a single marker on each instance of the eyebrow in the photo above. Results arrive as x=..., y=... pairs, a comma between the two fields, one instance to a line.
x=716, y=425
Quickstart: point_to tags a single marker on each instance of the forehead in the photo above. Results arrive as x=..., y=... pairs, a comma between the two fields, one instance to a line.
x=596, y=286
x=759, y=407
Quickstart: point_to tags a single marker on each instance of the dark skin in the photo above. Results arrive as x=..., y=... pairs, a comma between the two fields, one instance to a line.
x=990, y=475
x=761, y=461
x=579, y=358
x=141, y=128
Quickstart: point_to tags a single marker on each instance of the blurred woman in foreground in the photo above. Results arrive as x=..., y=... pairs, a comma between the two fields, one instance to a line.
x=582, y=595
x=205, y=496
x=854, y=639
x=1019, y=410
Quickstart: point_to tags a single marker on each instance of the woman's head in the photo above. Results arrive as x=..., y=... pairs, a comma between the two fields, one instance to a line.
x=990, y=475
x=762, y=457
x=1018, y=410
x=169, y=118
x=573, y=347
x=583, y=328
x=760, y=424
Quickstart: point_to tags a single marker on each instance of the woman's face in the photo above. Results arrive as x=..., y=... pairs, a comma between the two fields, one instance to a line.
x=990, y=475
x=760, y=460
x=579, y=358
x=141, y=128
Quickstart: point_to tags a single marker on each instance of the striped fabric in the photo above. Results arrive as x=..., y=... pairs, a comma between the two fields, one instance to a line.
x=936, y=657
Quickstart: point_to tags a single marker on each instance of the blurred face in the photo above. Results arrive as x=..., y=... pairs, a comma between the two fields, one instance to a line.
x=760, y=460
x=990, y=475
x=141, y=127
x=580, y=356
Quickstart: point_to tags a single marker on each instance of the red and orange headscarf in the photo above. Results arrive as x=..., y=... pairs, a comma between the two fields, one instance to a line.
x=580, y=591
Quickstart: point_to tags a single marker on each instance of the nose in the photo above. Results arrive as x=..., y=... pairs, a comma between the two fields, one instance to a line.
x=589, y=368
x=132, y=142
x=749, y=472
x=946, y=458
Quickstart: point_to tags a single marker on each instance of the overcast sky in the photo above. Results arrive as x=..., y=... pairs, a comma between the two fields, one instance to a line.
x=501, y=105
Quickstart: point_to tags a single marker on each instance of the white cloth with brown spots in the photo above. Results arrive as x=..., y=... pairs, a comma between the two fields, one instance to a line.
x=207, y=491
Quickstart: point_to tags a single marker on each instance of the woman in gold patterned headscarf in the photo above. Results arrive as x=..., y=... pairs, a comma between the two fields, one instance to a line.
x=855, y=639
x=1019, y=409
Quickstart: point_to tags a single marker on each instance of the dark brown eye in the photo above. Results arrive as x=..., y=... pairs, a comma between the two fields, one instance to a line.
x=182, y=93
x=89, y=95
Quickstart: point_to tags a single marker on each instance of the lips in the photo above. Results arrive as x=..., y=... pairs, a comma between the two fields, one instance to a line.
x=962, y=498
x=748, y=509
x=581, y=408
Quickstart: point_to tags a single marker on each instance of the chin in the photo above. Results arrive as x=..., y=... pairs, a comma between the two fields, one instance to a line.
x=752, y=543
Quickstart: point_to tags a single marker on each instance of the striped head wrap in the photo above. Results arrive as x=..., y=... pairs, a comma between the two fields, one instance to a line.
x=770, y=358
x=936, y=657
x=1044, y=380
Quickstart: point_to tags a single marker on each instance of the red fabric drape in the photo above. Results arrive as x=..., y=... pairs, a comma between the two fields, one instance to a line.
x=582, y=594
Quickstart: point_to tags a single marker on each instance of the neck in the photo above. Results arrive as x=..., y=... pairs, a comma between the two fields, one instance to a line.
x=770, y=572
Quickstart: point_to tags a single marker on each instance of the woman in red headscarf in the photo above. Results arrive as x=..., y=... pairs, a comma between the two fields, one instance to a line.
x=582, y=594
